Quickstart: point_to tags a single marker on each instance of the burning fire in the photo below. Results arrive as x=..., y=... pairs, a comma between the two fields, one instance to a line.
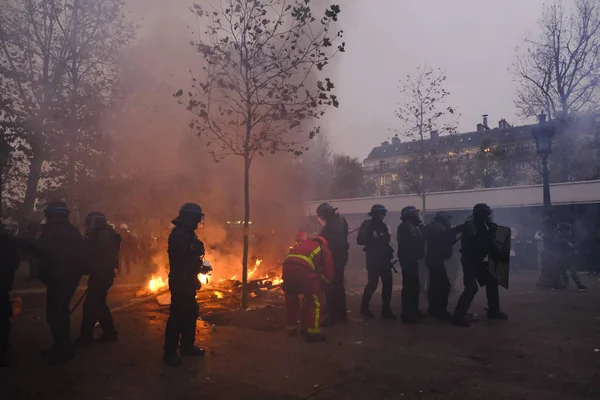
x=256, y=265
x=203, y=279
x=156, y=283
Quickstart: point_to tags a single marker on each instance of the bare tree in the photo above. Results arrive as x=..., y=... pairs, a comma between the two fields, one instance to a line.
x=423, y=110
x=559, y=71
x=259, y=55
x=348, y=178
x=51, y=53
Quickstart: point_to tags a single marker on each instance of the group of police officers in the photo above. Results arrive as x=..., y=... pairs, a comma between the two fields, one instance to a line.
x=65, y=255
x=432, y=242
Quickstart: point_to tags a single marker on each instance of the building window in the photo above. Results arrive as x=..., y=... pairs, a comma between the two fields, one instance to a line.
x=469, y=139
x=394, y=177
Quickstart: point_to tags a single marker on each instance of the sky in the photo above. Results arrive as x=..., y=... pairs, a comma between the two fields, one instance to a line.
x=473, y=40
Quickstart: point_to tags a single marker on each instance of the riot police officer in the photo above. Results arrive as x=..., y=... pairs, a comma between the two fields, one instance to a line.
x=335, y=231
x=186, y=255
x=411, y=248
x=567, y=257
x=101, y=260
x=477, y=244
x=60, y=248
x=440, y=237
x=375, y=237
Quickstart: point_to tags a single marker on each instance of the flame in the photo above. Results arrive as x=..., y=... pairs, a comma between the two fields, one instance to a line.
x=219, y=295
x=156, y=283
x=277, y=281
x=203, y=279
x=256, y=265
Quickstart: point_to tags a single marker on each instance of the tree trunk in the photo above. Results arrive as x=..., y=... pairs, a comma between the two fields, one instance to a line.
x=31, y=192
x=73, y=121
x=246, y=231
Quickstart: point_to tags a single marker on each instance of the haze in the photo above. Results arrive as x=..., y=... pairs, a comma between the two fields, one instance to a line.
x=473, y=40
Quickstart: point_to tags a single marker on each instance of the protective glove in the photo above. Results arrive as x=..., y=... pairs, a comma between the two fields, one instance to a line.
x=206, y=268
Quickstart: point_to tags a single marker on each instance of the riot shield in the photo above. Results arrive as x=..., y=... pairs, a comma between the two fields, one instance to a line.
x=499, y=266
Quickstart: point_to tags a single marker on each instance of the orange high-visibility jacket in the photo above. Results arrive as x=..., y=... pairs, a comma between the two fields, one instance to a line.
x=314, y=255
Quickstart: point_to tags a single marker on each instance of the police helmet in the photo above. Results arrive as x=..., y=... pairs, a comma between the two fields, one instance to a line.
x=55, y=208
x=408, y=212
x=377, y=209
x=482, y=209
x=443, y=217
x=191, y=212
x=95, y=219
x=123, y=227
x=325, y=210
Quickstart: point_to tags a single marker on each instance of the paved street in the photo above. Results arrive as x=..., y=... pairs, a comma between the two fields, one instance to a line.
x=549, y=349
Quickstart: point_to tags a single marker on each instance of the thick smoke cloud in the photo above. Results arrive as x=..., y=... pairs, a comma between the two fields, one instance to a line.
x=160, y=164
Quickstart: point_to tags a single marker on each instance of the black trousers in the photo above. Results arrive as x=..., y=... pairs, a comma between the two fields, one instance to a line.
x=58, y=299
x=439, y=287
x=335, y=296
x=95, y=308
x=5, y=314
x=566, y=263
x=375, y=271
x=181, y=325
x=474, y=273
x=410, y=288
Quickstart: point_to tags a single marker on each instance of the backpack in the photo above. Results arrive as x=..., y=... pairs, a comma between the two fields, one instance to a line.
x=362, y=239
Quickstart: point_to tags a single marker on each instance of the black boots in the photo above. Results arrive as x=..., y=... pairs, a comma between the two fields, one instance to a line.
x=387, y=313
x=496, y=315
x=365, y=312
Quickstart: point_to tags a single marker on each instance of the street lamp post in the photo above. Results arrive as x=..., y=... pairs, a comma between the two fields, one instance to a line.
x=543, y=134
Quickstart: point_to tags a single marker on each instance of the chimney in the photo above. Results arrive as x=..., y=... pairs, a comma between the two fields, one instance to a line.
x=480, y=127
x=503, y=124
x=433, y=135
x=396, y=140
x=485, y=122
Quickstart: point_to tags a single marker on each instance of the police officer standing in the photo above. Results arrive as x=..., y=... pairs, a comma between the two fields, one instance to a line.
x=440, y=237
x=335, y=231
x=60, y=248
x=411, y=248
x=375, y=237
x=567, y=257
x=101, y=260
x=9, y=263
x=477, y=244
x=186, y=254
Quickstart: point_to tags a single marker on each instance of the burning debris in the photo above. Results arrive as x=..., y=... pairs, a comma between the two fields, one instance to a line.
x=158, y=284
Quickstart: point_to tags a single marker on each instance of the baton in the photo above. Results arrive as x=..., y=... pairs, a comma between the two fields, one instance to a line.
x=392, y=266
x=78, y=302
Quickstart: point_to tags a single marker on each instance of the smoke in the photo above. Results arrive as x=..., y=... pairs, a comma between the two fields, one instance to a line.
x=159, y=163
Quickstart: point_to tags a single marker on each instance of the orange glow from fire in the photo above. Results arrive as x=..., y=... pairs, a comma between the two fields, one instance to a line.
x=203, y=279
x=219, y=295
x=156, y=283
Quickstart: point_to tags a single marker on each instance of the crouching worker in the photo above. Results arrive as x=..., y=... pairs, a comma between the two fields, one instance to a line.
x=307, y=267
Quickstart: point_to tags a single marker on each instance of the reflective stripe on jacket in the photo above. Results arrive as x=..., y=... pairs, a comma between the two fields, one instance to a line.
x=313, y=254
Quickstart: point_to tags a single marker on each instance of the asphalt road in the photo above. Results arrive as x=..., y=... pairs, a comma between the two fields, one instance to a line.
x=549, y=349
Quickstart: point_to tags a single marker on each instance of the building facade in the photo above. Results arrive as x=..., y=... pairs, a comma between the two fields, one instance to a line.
x=510, y=149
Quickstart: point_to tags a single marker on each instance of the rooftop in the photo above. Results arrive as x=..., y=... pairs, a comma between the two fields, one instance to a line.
x=451, y=142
